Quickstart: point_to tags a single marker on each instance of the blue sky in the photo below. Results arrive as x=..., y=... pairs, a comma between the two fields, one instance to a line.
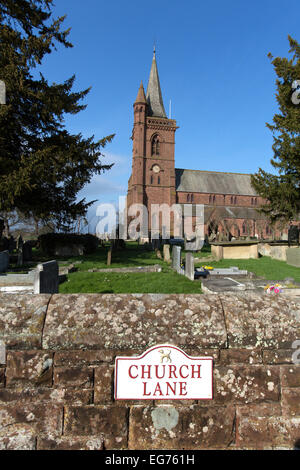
x=213, y=65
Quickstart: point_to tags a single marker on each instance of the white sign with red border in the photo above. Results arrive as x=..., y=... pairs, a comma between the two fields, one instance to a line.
x=164, y=372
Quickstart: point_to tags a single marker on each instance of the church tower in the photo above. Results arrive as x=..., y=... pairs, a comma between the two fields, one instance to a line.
x=153, y=160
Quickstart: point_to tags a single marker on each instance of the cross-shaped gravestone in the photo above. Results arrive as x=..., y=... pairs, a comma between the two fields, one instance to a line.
x=2, y=92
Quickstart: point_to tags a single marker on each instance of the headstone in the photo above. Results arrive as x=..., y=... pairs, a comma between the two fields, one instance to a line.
x=27, y=251
x=20, y=244
x=2, y=92
x=46, y=279
x=189, y=266
x=293, y=234
x=11, y=244
x=155, y=244
x=166, y=252
x=4, y=261
x=194, y=245
x=293, y=257
x=158, y=254
x=176, y=258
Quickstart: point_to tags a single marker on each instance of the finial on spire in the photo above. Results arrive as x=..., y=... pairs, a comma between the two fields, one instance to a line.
x=154, y=49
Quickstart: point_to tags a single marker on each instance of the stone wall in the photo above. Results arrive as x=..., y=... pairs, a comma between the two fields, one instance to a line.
x=277, y=251
x=56, y=388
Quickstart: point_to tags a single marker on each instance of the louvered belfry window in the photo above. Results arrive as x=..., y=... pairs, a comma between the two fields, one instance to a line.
x=155, y=146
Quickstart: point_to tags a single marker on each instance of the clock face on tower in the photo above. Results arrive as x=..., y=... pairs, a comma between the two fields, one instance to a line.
x=156, y=169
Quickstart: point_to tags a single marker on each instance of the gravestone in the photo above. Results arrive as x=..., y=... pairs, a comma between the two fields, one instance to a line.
x=194, y=245
x=189, y=266
x=155, y=242
x=20, y=244
x=176, y=258
x=166, y=252
x=293, y=234
x=293, y=257
x=2, y=92
x=46, y=278
x=27, y=251
x=11, y=244
x=4, y=261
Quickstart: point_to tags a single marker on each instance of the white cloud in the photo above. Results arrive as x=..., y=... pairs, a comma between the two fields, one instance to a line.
x=110, y=184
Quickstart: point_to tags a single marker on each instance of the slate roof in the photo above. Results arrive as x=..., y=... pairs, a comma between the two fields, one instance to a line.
x=213, y=182
x=154, y=95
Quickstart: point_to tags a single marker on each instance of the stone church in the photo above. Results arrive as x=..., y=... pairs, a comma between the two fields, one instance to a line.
x=229, y=200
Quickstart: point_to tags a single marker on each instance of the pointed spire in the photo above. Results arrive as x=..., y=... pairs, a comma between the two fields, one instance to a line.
x=141, y=98
x=154, y=96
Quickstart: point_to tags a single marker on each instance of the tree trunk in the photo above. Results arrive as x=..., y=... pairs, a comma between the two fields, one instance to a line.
x=6, y=228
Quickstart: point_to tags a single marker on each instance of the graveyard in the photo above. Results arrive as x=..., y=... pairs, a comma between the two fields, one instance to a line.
x=133, y=267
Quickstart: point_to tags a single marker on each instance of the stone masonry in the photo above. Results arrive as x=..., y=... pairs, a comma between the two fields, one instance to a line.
x=56, y=388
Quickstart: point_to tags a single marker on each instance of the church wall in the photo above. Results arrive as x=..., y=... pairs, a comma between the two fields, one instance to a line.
x=220, y=199
x=57, y=379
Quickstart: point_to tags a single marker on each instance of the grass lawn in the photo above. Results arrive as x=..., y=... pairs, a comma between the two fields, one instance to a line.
x=134, y=255
x=166, y=282
x=265, y=267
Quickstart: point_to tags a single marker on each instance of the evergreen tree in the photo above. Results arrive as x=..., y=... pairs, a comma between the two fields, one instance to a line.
x=282, y=190
x=42, y=165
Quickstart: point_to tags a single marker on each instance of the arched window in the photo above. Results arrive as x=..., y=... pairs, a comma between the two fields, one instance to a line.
x=214, y=199
x=235, y=200
x=188, y=198
x=210, y=199
x=192, y=197
x=155, y=148
x=158, y=180
x=231, y=200
x=244, y=227
x=151, y=180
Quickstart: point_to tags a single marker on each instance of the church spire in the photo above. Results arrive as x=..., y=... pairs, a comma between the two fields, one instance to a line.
x=141, y=98
x=154, y=96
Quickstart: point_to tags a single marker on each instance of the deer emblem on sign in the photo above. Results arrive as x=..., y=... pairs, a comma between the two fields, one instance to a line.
x=165, y=355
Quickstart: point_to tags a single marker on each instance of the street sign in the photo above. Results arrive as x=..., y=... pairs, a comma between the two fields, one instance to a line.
x=164, y=372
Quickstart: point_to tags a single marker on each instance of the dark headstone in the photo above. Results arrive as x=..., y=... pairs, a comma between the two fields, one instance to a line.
x=20, y=244
x=11, y=244
x=27, y=252
x=1, y=227
x=293, y=234
x=46, y=279
x=4, y=261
